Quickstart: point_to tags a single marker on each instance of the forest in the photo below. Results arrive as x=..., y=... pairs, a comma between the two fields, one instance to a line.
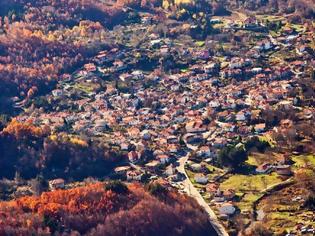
x=101, y=209
x=31, y=151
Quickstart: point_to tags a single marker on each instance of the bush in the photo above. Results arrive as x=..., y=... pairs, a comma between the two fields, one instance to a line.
x=310, y=203
x=116, y=186
x=156, y=189
x=258, y=143
x=233, y=156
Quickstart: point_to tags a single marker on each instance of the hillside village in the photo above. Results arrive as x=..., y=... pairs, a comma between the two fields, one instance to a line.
x=163, y=98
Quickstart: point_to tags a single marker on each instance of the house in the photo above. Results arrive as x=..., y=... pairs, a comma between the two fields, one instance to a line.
x=57, y=92
x=264, y=168
x=204, y=152
x=145, y=134
x=178, y=177
x=196, y=167
x=164, y=50
x=56, y=184
x=137, y=74
x=212, y=187
x=218, y=196
x=219, y=142
x=259, y=128
x=265, y=45
x=152, y=166
x=101, y=126
x=240, y=116
x=283, y=170
x=134, y=156
x=227, y=209
x=236, y=63
x=251, y=22
x=164, y=159
x=170, y=170
x=146, y=20
x=201, y=179
x=124, y=146
x=229, y=194
x=214, y=104
x=122, y=170
x=134, y=175
x=195, y=127
x=90, y=67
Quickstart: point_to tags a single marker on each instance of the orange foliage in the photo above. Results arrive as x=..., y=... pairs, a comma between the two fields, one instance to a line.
x=92, y=210
x=22, y=130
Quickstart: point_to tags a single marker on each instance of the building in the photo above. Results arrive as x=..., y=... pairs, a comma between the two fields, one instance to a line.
x=164, y=159
x=134, y=175
x=283, y=170
x=134, y=156
x=201, y=179
x=170, y=170
x=227, y=209
x=259, y=128
x=56, y=184
x=264, y=168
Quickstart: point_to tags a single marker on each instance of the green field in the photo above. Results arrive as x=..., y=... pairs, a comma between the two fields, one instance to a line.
x=250, y=187
x=304, y=160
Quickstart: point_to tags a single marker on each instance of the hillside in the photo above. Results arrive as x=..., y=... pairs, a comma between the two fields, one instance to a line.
x=100, y=209
x=215, y=98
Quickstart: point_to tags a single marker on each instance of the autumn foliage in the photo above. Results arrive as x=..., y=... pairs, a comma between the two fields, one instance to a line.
x=31, y=150
x=92, y=210
x=42, y=40
x=22, y=130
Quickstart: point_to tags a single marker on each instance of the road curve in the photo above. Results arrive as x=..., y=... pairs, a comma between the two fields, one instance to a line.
x=193, y=192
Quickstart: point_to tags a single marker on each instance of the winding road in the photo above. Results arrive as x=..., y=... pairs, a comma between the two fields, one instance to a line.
x=193, y=192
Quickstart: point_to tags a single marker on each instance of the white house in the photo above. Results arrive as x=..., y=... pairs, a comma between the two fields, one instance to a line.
x=170, y=170
x=57, y=92
x=205, y=152
x=201, y=179
x=134, y=175
x=56, y=184
x=227, y=209
x=240, y=116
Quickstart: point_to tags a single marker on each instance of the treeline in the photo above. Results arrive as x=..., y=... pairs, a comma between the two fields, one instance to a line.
x=303, y=8
x=100, y=209
x=41, y=41
x=32, y=151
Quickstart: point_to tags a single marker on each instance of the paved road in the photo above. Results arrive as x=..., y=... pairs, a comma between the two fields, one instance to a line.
x=193, y=192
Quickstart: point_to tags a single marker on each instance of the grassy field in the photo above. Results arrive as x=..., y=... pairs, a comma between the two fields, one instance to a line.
x=249, y=187
x=303, y=160
x=282, y=213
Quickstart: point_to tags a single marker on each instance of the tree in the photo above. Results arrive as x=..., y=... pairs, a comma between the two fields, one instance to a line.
x=258, y=229
x=233, y=156
x=116, y=186
x=37, y=185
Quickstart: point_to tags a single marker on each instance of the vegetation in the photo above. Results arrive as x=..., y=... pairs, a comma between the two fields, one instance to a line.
x=31, y=150
x=92, y=210
x=233, y=157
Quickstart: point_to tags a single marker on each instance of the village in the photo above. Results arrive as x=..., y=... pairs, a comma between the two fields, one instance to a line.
x=191, y=98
